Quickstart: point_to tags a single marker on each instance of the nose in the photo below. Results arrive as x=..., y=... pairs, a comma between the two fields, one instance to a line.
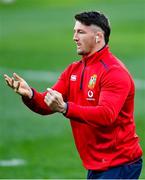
x=75, y=37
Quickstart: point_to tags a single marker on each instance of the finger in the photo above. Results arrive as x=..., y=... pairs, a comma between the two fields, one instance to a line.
x=7, y=77
x=15, y=84
x=48, y=94
x=57, y=93
x=8, y=80
x=8, y=83
x=53, y=93
x=17, y=77
x=17, y=87
x=48, y=97
x=50, y=91
x=47, y=100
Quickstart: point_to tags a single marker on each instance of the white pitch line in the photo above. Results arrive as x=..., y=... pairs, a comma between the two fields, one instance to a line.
x=12, y=162
x=33, y=75
x=7, y=1
x=42, y=76
x=51, y=77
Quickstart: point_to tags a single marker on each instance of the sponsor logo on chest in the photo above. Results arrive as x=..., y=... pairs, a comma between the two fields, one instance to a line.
x=92, y=81
x=91, y=86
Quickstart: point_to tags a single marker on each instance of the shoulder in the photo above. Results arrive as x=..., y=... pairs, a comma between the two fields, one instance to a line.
x=70, y=68
x=73, y=65
x=117, y=77
x=110, y=62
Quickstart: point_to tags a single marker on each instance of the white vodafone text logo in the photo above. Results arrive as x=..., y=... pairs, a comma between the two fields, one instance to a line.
x=90, y=94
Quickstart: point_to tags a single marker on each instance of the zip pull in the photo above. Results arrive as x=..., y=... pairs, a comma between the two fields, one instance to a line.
x=82, y=76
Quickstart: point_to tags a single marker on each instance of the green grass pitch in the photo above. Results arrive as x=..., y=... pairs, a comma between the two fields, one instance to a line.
x=37, y=35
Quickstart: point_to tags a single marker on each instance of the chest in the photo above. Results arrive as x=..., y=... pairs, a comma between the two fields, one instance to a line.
x=84, y=85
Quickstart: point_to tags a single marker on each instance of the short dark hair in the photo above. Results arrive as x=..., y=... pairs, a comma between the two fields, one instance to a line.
x=95, y=18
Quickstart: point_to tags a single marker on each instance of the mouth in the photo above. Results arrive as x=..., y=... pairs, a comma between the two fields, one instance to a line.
x=78, y=45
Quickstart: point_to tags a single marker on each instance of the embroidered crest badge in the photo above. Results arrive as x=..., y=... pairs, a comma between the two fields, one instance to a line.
x=92, y=81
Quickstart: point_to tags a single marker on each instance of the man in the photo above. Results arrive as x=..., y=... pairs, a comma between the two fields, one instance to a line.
x=97, y=95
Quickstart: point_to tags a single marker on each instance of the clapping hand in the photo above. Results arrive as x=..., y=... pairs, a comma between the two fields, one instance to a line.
x=55, y=101
x=19, y=85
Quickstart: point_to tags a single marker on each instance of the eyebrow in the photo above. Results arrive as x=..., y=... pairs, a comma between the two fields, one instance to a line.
x=78, y=29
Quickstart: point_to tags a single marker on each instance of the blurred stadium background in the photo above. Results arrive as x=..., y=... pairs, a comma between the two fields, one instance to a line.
x=36, y=42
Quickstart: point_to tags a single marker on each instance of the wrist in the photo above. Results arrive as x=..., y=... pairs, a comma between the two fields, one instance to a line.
x=30, y=94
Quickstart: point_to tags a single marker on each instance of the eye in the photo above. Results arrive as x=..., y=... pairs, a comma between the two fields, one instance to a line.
x=81, y=32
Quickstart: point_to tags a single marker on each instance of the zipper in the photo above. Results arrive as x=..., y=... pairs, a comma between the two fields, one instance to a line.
x=82, y=76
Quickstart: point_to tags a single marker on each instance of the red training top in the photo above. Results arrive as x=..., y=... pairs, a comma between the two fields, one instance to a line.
x=100, y=94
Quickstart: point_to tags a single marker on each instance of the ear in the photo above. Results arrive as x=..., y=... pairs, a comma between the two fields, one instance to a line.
x=97, y=38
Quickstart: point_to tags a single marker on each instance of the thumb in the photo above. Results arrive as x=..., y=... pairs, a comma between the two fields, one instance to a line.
x=17, y=77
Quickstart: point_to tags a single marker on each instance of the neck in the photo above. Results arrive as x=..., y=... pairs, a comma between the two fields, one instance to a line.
x=96, y=49
x=100, y=46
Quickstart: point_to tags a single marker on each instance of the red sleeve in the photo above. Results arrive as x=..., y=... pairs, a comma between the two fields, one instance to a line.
x=62, y=85
x=37, y=103
x=115, y=87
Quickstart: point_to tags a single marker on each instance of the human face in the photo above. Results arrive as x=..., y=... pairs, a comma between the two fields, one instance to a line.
x=84, y=36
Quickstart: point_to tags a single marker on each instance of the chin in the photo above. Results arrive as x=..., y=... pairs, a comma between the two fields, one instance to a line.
x=81, y=52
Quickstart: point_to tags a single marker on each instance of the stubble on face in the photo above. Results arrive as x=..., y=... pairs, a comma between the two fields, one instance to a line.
x=84, y=36
x=81, y=52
